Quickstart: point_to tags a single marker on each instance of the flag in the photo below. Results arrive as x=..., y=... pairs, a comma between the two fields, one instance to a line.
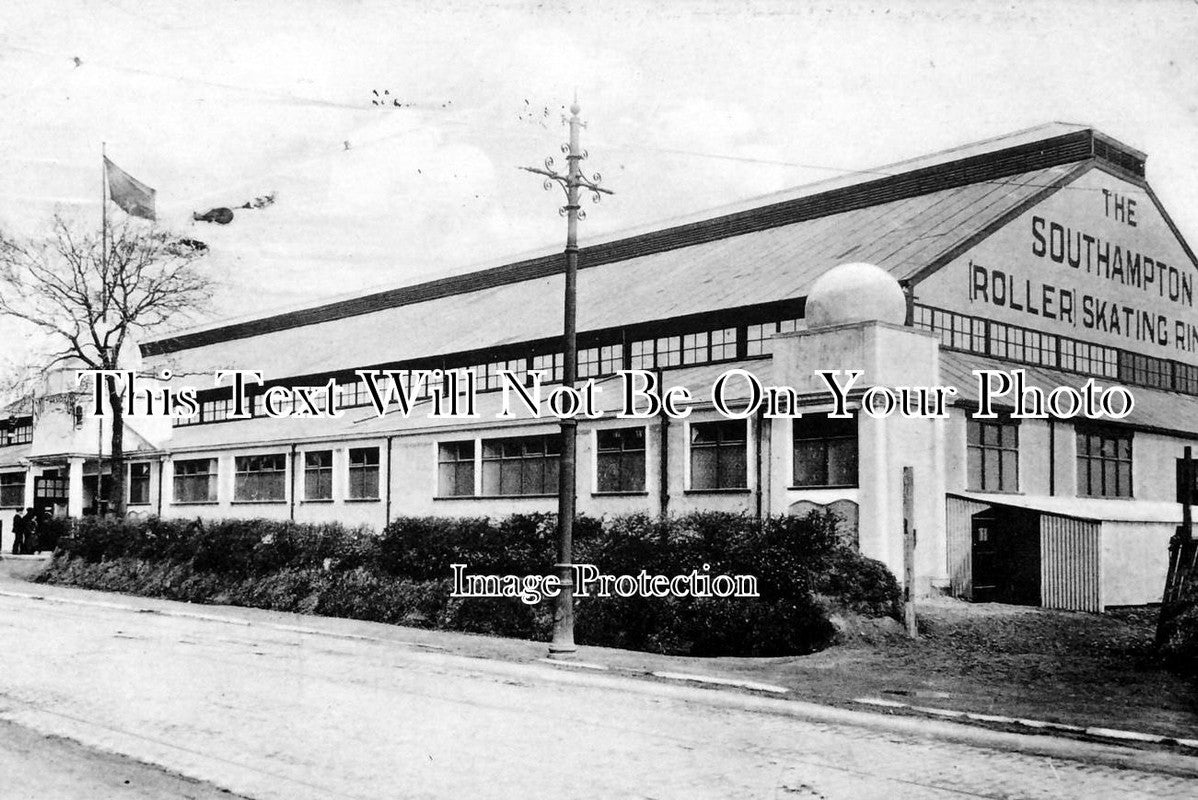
x=134, y=197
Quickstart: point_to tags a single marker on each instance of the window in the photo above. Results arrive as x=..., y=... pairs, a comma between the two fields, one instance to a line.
x=14, y=432
x=525, y=465
x=354, y=393
x=139, y=484
x=217, y=410
x=12, y=490
x=620, y=460
x=723, y=344
x=825, y=451
x=757, y=339
x=657, y=353
x=318, y=475
x=551, y=367
x=600, y=361
x=1103, y=462
x=492, y=379
x=260, y=479
x=195, y=481
x=364, y=473
x=455, y=469
x=718, y=455
x=992, y=455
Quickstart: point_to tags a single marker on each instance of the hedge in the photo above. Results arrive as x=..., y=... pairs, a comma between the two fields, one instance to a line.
x=403, y=575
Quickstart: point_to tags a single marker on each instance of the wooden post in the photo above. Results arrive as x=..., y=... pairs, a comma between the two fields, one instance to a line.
x=1180, y=546
x=909, y=552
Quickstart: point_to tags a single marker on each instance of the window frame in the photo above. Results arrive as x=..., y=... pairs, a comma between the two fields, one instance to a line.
x=1102, y=435
x=137, y=479
x=525, y=460
x=7, y=482
x=363, y=470
x=621, y=455
x=320, y=472
x=720, y=446
x=211, y=476
x=250, y=471
x=982, y=448
x=457, y=465
x=824, y=431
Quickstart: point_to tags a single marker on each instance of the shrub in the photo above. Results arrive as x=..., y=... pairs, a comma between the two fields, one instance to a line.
x=403, y=575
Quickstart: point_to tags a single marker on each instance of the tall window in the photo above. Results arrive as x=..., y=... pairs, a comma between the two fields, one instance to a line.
x=525, y=465
x=1103, y=462
x=139, y=484
x=260, y=479
x=719, y=455
x=455, y=469
x=621, y=460
x=318, y=475
x=825, y=451
x=195, y=481
x=12, y=489
x=364, y=473
x=992, y=450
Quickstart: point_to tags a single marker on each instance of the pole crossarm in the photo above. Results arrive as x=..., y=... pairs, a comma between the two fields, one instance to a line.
x=573, y=182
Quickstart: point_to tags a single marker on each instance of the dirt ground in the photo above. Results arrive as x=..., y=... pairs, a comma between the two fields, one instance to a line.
x=1074, y=668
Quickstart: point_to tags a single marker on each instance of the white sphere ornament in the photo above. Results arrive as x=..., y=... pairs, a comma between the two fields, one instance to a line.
x=856, y=292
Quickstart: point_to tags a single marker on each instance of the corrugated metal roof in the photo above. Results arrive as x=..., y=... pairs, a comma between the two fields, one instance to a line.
x=1154, y=409
x=365, y=423
x=764, y=266
x=12, y=455
x=1089, y=508
x=994, y=159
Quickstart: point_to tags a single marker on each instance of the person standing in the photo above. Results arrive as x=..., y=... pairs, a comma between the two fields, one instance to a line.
x=19, y=527
x=31, y=531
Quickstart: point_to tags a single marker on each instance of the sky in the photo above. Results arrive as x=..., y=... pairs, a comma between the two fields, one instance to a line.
x=688, y=106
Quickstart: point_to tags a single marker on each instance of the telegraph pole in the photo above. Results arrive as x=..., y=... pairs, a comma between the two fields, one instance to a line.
x=572, y=182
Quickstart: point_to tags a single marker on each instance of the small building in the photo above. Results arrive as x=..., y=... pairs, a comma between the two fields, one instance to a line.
x=1043, y=256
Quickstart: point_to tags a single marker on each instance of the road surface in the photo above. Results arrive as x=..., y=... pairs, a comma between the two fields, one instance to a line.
x=266, y=712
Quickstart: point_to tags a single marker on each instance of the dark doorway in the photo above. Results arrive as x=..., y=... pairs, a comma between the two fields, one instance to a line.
x=50, y=490
x=1006, y=556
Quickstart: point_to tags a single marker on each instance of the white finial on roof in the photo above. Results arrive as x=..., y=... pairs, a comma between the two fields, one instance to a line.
x=856, y=292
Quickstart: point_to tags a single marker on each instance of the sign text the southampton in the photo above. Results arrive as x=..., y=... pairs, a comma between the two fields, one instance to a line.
x=1094, y=282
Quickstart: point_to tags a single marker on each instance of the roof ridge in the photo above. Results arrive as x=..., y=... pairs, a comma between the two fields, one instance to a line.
x=1071, y=146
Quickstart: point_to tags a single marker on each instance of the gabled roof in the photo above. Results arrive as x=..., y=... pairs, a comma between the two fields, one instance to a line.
x=762, y=267
x=901, y=217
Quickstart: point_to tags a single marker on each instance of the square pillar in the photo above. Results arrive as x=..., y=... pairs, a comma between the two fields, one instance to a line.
x=75, y=487
x=31, y=473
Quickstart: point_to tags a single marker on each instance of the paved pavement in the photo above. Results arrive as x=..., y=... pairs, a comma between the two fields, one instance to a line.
x=268, y=712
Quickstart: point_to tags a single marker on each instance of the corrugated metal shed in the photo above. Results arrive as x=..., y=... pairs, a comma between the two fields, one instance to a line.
x=764, y=266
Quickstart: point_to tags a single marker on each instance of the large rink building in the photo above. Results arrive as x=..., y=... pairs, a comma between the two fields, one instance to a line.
x=1045, y=251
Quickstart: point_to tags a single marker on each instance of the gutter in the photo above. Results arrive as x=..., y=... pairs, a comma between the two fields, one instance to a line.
x=291, y=481
x=387, y=505
x=161, y=469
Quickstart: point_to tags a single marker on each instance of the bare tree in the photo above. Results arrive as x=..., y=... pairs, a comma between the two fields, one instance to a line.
x=90, y=294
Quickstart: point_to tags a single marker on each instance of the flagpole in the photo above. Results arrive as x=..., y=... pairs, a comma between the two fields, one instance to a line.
x=103, y=205
x=104, y=270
